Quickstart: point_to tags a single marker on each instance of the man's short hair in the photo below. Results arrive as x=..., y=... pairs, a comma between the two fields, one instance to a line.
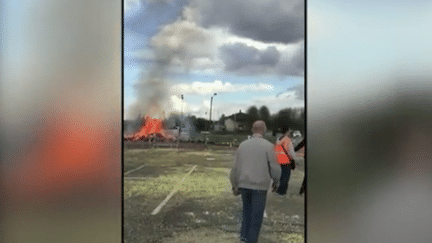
x=259, y=127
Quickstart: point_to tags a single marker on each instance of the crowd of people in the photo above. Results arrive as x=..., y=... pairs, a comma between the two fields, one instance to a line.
x=258, y=166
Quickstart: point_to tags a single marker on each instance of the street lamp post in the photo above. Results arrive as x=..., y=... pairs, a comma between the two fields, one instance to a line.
x=211, y=103
x=181, y=116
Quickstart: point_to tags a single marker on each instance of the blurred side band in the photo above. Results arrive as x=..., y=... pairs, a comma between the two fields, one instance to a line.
x=61, y=121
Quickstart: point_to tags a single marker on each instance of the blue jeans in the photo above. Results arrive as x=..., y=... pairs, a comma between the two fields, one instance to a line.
x=253, y=211
x=285, y=176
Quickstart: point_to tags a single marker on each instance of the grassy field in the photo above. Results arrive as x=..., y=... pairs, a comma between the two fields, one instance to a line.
x=233, y=139
x=203, y=209
x=226, y=138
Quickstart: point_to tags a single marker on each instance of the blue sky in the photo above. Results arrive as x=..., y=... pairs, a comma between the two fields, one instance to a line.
x=212, y=53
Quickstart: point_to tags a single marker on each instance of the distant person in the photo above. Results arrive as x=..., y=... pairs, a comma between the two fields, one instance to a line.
x=285, y=156
x=255, y=166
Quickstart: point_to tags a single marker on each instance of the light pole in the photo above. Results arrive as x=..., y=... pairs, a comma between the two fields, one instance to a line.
x=211, y=103
x=181, y=115
x=182, y=106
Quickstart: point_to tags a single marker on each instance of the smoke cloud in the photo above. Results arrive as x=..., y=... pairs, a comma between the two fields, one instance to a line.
x=235, y=37
x=182, y=41
x=219, y=87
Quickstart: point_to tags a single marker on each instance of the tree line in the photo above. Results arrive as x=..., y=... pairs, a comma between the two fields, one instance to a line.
x=293, y=118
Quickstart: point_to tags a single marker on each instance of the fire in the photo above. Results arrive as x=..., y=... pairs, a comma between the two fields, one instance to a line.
x=152, y=128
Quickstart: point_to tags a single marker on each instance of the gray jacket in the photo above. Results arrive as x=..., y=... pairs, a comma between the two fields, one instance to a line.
x=255, y=165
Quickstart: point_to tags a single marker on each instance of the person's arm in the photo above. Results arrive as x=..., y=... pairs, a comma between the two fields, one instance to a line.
x=290, y=149
x=275, y=169
x=233, y=173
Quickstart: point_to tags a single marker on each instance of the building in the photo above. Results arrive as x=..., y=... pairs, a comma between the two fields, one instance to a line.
x=219, y=127
x=238, y=122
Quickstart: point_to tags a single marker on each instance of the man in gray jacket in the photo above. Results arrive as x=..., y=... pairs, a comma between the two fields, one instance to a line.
x=254, y=166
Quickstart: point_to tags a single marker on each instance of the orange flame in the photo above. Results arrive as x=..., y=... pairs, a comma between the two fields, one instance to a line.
x=151, y=127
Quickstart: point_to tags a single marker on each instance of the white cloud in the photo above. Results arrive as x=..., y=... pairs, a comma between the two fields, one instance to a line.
x=297, y=91
x=131, y=4
x=177, y=103
x=202, y=88
x=227, y=38
x=171, y=2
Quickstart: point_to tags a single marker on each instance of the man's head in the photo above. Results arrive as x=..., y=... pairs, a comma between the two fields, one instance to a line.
x=286, y=131
x=259, y=127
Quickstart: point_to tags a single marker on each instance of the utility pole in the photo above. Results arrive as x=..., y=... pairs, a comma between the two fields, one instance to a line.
x=181, y=116
x=211, y=103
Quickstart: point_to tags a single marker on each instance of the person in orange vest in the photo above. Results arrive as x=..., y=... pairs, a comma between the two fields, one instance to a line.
x=284, y=150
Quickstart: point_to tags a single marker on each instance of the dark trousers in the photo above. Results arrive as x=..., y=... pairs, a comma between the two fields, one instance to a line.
x=253, y=211
x=285, y=176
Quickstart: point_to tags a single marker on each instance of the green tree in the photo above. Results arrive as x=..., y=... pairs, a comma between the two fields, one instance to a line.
x=201, y=124
x=264, y=114
x=300, y=122
x=254, y=115
x=253, y=112
x=192, y=120
x=273, y=124
x=222, y=119
x=285, y=119
x=293, y=119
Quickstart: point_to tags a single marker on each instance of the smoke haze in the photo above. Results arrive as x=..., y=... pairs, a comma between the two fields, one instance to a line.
x=182, y=41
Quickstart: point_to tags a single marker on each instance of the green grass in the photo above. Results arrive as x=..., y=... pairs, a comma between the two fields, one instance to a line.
x=206, y=193
x=206, y=182
x=210, y=178
x=227, y=139
x=150, y=189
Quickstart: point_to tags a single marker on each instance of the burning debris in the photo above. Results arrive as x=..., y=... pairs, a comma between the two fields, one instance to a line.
x=152, y=129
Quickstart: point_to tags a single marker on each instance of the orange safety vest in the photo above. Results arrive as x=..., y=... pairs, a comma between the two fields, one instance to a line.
x=281, y=156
